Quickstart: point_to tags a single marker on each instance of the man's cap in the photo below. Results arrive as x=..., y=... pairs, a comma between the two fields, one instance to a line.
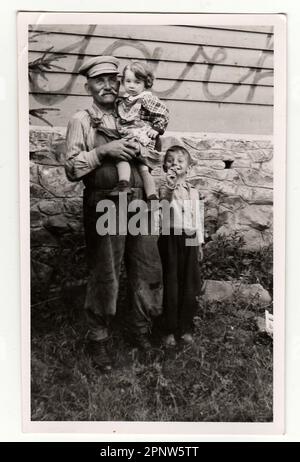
x=99, y=65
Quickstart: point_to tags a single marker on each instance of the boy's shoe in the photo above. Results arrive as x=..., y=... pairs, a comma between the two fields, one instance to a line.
x=170, y=341
x=122, y=187
x=187, y=338
x=98, y=353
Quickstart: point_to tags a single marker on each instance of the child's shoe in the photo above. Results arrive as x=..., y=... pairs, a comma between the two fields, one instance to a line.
x=187, y=338
x=153, y=206
x=170, y=341
x=122, y=187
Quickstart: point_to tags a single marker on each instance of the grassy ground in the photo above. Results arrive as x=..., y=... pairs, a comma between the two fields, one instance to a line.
x=226, y=376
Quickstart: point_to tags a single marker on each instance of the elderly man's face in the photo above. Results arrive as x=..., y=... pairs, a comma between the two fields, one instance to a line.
x=103, y=88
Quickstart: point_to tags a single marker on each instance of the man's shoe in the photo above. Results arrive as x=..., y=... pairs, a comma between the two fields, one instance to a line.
x=122, y=187
x=142, y=342
x=170, y=341
x=98, y=353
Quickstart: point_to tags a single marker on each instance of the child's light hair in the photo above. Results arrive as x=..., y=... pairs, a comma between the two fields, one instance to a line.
x=178, y=148
x=141, y=72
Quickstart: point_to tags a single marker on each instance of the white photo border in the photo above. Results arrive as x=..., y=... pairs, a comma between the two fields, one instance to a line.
x=278, y=21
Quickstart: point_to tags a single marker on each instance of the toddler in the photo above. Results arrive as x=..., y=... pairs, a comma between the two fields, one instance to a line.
x=144, y=117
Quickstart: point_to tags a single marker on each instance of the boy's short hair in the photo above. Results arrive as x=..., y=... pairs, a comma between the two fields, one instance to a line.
x=178, y=148
x=141, y=71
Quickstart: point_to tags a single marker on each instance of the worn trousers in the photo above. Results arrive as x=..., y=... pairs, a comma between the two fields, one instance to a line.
x=105, y=255
x=181, y=279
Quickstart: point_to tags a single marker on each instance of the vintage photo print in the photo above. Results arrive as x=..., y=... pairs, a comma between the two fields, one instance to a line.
x=152, y=204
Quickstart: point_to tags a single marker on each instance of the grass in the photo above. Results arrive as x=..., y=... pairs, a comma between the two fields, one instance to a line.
x=226, y=376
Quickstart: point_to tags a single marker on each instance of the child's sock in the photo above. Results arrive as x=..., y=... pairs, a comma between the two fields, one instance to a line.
x=149, y=184
x=124, y=171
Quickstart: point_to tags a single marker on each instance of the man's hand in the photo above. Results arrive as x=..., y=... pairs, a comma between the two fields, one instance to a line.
x=152, y=133
x=122, y=149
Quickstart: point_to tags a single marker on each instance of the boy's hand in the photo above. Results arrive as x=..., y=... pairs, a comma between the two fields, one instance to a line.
x=200, y=253
x=171, y=177
x=152, y=133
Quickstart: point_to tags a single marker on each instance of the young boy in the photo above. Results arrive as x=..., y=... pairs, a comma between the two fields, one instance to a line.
x=180, y=246
x=142, y=117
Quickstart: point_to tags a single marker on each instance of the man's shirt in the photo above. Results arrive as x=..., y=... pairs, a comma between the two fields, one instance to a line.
x=81, y=156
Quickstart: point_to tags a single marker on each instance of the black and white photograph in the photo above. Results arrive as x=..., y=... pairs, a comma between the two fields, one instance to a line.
x=148, y=146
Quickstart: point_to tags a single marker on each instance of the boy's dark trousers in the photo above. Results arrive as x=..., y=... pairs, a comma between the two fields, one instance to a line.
x=181, y=278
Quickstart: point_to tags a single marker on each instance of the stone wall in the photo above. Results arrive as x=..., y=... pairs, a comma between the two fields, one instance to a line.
x=234, y=173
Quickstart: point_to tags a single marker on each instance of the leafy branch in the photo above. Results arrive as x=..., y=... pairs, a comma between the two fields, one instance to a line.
x=45, y=63
x=40, y=66
x=40, y=112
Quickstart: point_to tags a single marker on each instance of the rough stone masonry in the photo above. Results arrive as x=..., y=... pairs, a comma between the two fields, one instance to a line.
x=234, y=173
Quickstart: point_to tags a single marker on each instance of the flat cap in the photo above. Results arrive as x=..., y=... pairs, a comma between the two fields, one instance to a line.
x=99, y=65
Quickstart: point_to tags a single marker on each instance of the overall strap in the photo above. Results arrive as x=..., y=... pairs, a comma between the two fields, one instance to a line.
x=96, y=123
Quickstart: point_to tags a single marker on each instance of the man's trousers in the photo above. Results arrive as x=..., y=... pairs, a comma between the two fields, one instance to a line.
x=105, y=255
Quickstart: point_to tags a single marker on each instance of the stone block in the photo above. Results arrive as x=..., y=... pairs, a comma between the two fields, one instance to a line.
x=42, y=238
x=225, y=216
x=73, y=206
x=212, y=164
x=34, y=178
x=261, y=196
x=221, y=175
x=261, y=155
x=256, y=178
x=259, y=217
x=76, y=226
x=40, y=274
x=46, y=255
x=39, y=140
x=36, y=218
x=232, y=203
x=268, y=166
x=58, y=149
x=256, y=240
x=54, y=180
x=57, y=224
x=199, y=145
x=44, y=158
x=51, y=207
x=38, y=192
x=47, y=146
x=264, y=144
x=220, y=291
x=241, y=163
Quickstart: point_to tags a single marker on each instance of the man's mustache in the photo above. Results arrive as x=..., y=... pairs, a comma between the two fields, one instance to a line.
x=107, y=92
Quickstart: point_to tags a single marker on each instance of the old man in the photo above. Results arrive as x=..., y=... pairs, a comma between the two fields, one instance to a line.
x=93, y=148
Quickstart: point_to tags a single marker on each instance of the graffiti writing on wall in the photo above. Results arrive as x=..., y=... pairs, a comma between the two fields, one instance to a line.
x=254, y=75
